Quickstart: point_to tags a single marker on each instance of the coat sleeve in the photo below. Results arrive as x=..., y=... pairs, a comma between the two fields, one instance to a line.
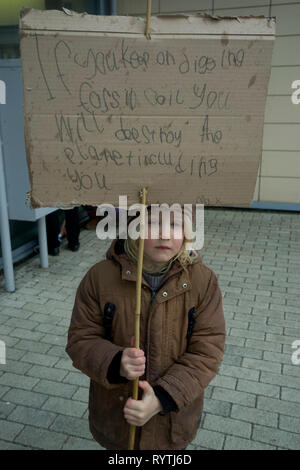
x=193, y=370
x=86, y=346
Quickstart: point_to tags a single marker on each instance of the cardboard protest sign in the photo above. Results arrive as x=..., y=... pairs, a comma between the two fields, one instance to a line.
x=108, y=111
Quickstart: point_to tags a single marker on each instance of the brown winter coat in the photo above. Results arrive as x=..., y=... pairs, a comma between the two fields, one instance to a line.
x=182, y=368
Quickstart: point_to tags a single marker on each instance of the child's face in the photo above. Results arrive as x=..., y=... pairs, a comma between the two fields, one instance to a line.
x=172, y=244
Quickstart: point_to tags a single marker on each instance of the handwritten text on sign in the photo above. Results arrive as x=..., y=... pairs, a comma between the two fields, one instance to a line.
x=182, y=117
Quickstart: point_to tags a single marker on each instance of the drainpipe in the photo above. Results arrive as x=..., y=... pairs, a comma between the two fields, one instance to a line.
x=5, y=231
x=106, y=7
x=113, y=7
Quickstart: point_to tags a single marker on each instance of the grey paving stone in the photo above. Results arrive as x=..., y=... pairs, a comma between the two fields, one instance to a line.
x=232, y=360
x=75, y=443
x=289, y=394
x=279, y=358
x=3, y=317
x=77, y=378
x=235, y=340
x=64, y=364
x=8, y=302
x=21, y=323
x=261, y=365
x=234, y=396
x=16, y=312
x=26, y=334
x=51, y=329
x=266, y=328
x=244, y=352
x=6, y=408
x=13, y=354
x=239, y=443
x=32, y=416
x=32, y=346
x=209, y=439
x=59, y=350
x=217, y=407
x=293, y=370
x=258, y=388
x=65, y=406
x=51, y=387
x=40, y=359
x=9, y=430
x=24, y=397
x=263, y=345
x=254, y=415
x=239, y=372
x=267, y=377
x=50, y=319
x=18, y=381
x=278, y=406
x=5, y=330
x=224, y=382
x=47, y=373
x=31, y=307
x=247, y=333
x=289, y=423
x=3, y=390
x=235, y=323
x=72, y=426
x=272, y=436
x=6, y=445
x=38, y=438
x=258, y=311
x=227, y=425
x=82, y=394
x=250, y=319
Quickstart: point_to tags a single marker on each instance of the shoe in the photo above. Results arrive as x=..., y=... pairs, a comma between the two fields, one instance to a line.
x=74, y=247
x=54, y=251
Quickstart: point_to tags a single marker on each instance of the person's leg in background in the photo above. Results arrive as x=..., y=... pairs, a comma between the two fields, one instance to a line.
x=53, y=228
x=72, y=228
x=94, y=219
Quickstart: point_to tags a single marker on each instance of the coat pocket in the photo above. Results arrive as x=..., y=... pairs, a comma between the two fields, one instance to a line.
x=184, y=424
x=106, y=412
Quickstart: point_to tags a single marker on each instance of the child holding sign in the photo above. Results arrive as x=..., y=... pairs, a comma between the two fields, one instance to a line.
x=182, y=336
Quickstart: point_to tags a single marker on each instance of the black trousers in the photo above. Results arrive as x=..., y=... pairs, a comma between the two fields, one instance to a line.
x=72, y=227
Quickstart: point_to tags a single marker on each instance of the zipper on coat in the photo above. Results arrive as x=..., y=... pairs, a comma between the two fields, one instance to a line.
x=153, y=294
x=109, y=311
x=191, y=323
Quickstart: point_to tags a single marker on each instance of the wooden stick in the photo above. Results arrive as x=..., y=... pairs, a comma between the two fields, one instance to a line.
x=138, y=307
x=147, y=32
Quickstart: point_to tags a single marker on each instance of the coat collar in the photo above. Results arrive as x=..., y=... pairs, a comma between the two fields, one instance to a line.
x=183, y=283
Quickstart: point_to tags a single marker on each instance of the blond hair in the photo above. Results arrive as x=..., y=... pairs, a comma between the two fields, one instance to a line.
x=184, y=256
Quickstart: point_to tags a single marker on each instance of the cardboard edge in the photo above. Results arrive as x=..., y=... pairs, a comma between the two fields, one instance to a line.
x=24, y=11
x=35, y=13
